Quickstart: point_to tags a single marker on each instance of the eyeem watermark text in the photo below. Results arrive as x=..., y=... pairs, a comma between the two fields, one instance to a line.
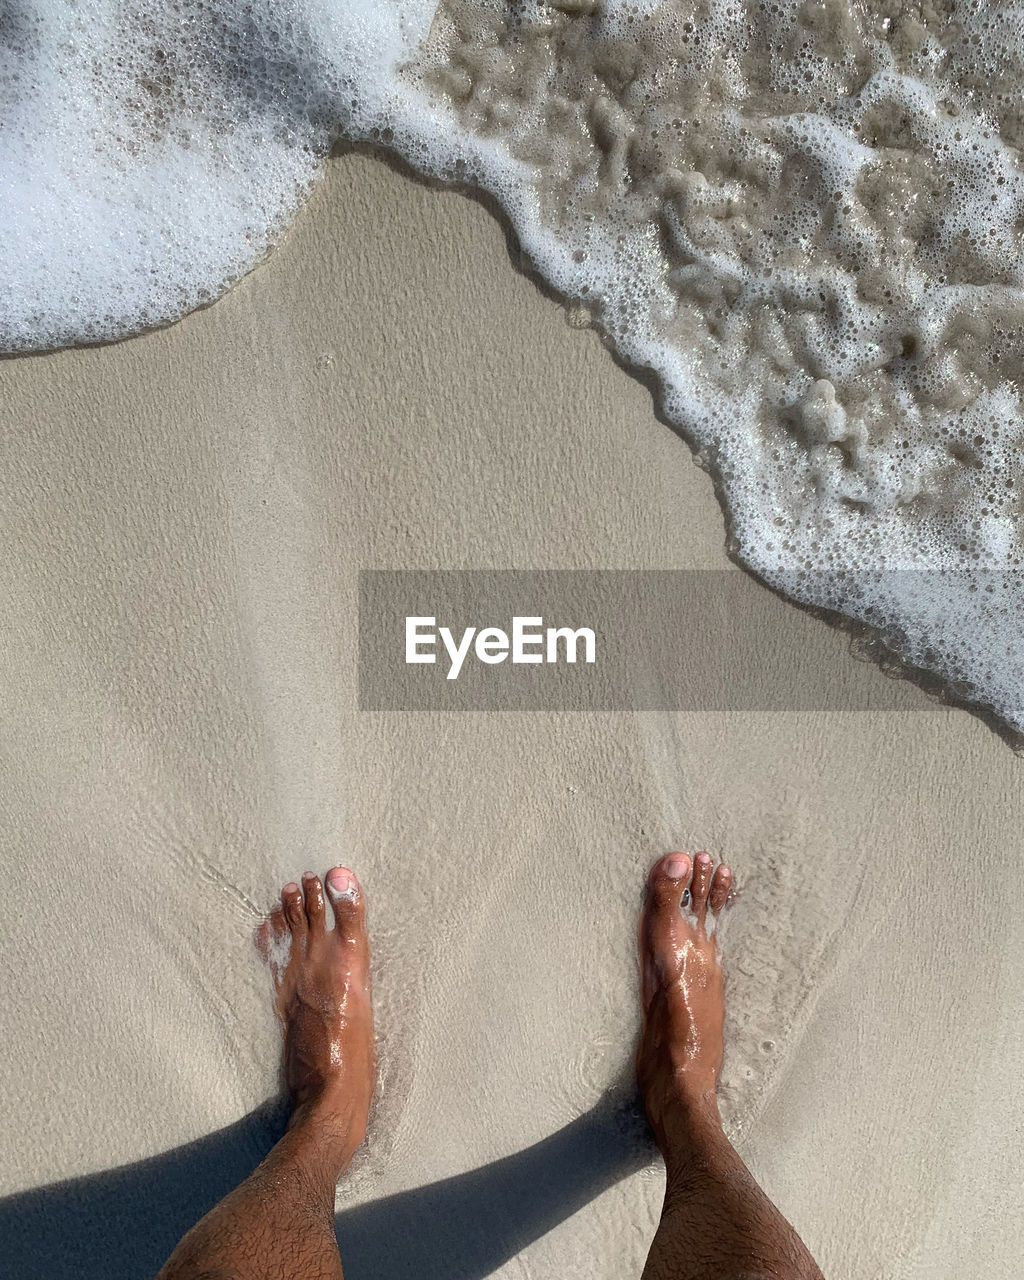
x=529, y=641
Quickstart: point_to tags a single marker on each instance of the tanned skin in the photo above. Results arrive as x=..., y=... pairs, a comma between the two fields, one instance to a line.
x=716, y=1223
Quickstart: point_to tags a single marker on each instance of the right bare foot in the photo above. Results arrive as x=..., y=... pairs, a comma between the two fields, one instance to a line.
x=322, y=980
x=683, y=995
x=716, y=1221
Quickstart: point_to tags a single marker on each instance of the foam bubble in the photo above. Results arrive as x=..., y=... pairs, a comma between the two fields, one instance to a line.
x=805, y=217
x=279, y=954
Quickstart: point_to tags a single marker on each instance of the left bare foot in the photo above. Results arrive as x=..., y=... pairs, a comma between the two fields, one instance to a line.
x=683, y=996
x=322, y=980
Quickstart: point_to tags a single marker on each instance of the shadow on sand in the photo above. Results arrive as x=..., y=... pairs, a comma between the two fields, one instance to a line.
x=123, y=1224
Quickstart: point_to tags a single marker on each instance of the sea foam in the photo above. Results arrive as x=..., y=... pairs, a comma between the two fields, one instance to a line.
x=805, y=218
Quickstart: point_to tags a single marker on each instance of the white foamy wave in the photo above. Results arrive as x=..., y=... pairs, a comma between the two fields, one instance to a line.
x=805, y=217
x=151, y=153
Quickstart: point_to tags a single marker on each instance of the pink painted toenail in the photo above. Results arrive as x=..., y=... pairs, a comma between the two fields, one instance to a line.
x=340, y=884
x=675, y=867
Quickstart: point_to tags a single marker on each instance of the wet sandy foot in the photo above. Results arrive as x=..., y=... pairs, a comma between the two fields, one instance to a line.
x=322, y=980
x=716, y=1222
x=683, y=996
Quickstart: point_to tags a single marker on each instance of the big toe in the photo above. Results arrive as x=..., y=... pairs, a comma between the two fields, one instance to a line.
x=349, y=905
x=658, y=925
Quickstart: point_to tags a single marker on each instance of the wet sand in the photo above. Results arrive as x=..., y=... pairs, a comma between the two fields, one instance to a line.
x=185, y=516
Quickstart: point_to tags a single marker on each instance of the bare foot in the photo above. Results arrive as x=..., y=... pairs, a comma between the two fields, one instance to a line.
x=322, y=980
x=683, y=995
x=716, y=1221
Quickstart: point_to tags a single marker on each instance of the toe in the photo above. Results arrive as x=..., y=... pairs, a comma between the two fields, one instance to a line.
x=701, y=885
x=720, y=886
x=273, y=941
x=270, y=931
x=294, y=912
x=346, y=895
x=665, y=888
x=314, y=893
x=667, y=880
x=264, y=938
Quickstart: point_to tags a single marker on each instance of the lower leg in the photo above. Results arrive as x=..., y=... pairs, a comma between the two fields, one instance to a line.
x=716, y=1223
x=279, y=1224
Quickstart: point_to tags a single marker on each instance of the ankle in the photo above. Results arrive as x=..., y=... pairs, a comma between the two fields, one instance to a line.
x=689, y=1130
x=325, y=1135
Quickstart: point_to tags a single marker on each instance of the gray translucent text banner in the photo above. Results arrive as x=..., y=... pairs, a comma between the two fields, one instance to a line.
x=699, y=640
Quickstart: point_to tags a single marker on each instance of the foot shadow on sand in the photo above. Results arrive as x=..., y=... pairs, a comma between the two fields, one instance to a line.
x=125, y=1222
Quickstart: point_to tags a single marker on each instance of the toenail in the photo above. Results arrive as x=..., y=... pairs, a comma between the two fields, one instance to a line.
x=341, y=886
x=675, y=867
x=290, y=887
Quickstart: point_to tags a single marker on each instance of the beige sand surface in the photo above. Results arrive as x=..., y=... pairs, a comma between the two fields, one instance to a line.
x=184, y=516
